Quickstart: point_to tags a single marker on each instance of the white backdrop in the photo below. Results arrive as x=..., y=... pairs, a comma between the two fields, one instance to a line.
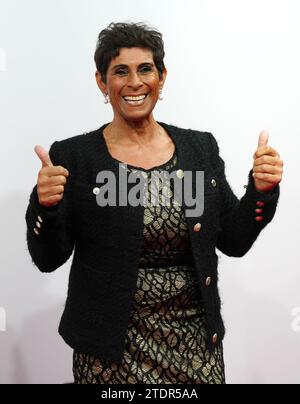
x=233, y=70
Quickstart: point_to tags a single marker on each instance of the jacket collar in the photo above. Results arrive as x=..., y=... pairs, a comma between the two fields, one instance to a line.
x=188, y=158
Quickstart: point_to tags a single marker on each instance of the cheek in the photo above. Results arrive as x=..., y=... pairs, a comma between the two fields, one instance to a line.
x=115, y=86
x=153, y=82
x=153, y=85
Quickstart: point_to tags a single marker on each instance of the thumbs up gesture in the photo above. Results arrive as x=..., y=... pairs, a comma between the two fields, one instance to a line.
x=51, y=180
x=267, y=166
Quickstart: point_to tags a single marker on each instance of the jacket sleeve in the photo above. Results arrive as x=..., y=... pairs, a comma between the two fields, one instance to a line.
x=238, y=225
x=50, y=237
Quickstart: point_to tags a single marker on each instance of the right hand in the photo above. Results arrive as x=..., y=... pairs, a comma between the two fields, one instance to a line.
x=51, y=180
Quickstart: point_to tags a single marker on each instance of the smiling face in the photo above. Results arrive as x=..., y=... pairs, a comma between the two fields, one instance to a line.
x=132, y=83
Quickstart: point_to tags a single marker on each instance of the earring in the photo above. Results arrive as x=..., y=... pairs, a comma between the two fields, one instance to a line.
x=160, y=97
x=107, y=100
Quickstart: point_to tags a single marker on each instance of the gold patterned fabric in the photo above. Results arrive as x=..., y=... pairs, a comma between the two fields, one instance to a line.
x=166, y=335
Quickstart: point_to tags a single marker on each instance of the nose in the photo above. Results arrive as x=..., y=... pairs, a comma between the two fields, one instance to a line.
x=134, y=81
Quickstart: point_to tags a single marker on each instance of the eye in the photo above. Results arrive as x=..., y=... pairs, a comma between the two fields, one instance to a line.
x=145, y=69
x=121, y=72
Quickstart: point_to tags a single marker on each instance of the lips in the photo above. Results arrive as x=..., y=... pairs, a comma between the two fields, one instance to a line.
x=135, y=100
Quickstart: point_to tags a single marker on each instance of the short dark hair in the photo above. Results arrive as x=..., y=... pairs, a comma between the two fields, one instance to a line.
x=128, y=35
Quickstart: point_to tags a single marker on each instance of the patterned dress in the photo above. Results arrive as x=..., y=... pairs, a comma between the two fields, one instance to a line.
x=166, y=335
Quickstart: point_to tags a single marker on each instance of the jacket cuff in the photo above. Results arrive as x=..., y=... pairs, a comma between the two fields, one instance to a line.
x=270, y=196
x=262, y=204
x=43, y=220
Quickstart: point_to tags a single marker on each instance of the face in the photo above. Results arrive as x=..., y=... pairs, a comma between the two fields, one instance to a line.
x=132, y=83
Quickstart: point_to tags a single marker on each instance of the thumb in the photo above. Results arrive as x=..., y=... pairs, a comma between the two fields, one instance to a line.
x=263, y=138
x=43, y=155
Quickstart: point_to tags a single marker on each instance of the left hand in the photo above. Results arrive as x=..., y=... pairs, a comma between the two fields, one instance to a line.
x=267, y=166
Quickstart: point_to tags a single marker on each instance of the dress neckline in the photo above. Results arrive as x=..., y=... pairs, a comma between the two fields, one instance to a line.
x=116, y=161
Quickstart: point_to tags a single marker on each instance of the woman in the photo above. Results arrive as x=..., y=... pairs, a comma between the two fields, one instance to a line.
x=143, y=303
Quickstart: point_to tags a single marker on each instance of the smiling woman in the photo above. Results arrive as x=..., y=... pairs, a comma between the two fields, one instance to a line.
x=132, y=83
x=143, y=304
x=157, y=348
x=131, y=75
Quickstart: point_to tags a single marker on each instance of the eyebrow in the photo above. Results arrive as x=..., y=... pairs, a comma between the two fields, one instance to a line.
x=125, y=66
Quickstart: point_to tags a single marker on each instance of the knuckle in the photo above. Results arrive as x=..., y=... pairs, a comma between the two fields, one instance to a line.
x=41, y=173
x=63, y=179
x=61, y=170
x=41, y=191
x=40, y=182
x=60, y=180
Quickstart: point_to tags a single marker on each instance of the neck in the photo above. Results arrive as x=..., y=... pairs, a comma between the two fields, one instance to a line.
x=134, y=132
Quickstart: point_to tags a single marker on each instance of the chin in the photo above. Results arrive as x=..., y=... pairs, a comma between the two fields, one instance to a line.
x=138, y=115
x=137, y=118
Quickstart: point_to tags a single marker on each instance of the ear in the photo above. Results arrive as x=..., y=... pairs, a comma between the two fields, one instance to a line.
x=163, y=77
x=100, y=82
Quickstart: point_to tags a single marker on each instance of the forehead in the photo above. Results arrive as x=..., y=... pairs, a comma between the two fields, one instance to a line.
x=133, y=57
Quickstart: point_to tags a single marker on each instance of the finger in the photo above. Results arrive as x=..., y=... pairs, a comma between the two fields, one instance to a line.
x=52, y=191
x=268, y=160
x=263, y=139
x=57, y=180
x=54, y=171
x=266, y=150
x=57, y=190
x=272, y=178
x=51, y=200
x=43, y=155
x=267, y=169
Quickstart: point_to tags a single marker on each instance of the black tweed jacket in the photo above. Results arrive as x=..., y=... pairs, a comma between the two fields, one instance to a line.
x=107, y=241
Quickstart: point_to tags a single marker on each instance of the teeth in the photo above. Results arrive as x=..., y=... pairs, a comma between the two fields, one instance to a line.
x=140, y=98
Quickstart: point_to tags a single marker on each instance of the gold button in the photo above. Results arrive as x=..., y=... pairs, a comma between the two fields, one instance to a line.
x=36, y=231
x=208, y=281
x=215, y=338
x=197, y=227
x=180, y=174
x=38, y=224
x=96, y=191
x=40, y=219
